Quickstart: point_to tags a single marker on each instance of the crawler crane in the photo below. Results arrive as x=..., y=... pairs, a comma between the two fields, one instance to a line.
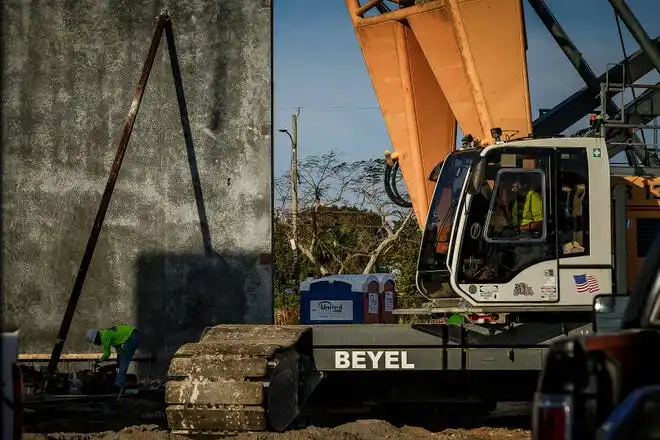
x=433, y=66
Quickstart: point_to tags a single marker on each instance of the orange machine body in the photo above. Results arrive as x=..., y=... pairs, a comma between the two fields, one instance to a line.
x=441, y=63
x=643, y=203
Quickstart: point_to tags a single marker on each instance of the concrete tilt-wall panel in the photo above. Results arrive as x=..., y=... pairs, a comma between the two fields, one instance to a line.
x=69, y=75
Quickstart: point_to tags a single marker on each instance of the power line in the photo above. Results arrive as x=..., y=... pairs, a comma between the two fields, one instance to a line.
x=330, y=108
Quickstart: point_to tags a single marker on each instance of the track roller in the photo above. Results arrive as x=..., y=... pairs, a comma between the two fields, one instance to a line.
x=237, y=378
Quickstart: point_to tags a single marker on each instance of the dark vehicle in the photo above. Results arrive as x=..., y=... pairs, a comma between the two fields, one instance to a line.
x=607, y=385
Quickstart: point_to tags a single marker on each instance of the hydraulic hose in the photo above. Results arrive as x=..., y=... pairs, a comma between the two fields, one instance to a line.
x=391, y=171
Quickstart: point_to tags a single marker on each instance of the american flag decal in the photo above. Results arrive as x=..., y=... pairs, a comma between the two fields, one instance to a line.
x=586, y=283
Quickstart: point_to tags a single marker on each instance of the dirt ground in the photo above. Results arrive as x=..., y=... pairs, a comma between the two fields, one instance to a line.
x=144, y=419
x=359, y=430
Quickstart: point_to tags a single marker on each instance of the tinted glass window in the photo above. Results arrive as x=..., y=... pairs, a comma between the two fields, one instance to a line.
x=573, y=202
x=510, y=223
x=647, y=230
x=517, y=206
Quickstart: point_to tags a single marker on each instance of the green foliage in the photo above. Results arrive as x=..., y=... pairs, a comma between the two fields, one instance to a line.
x=344, y=238
x=283, y=278
x=286, y=300
x=401, y=259
x=344, y=219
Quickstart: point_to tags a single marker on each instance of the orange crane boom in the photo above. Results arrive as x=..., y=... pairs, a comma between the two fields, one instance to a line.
x=441, y=63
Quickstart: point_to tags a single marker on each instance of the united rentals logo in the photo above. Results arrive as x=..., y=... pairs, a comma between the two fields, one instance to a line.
x=328, y=307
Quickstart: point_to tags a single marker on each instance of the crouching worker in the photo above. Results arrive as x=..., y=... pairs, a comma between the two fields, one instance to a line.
x=125, y=341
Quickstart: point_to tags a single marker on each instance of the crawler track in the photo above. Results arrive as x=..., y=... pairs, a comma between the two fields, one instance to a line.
x=237, y=378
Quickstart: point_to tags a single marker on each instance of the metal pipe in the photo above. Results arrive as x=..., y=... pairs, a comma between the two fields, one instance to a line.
x=399, y=15
x=569, y=49
x=187, y=135
x=633, y=86
x=637, y=30
x=41, y=357
x=105, y=200
x=367, y=6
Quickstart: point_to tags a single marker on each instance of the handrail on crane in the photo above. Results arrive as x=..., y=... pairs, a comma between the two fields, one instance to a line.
x=367, y=7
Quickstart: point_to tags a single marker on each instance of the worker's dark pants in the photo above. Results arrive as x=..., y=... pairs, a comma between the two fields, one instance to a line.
x=125, y=357
x=532, y=253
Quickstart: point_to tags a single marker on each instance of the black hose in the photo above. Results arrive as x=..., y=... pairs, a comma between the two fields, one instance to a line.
x=395, y=171
x=386, y=181
x=391, y=172
x=393, y=180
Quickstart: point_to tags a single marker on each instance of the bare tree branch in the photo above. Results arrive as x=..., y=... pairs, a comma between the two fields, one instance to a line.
x=310, y=256
x=332, y=189
x=383, y=244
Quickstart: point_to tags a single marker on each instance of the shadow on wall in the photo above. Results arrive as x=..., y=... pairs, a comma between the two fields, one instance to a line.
x=178, y=295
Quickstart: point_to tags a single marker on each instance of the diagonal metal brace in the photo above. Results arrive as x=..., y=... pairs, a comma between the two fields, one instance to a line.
x=571, y=52
x=637, y=30
x=163, y=23
x=187, y=135
x=583, y=101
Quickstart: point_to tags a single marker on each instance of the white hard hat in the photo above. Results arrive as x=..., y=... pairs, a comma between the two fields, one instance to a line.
x=90, y=335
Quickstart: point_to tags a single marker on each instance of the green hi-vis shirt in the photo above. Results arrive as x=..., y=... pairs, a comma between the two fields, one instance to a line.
x=532, y=209
x=114, y=337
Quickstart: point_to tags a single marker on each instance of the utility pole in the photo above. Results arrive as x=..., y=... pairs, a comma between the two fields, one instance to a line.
x=293, y=136
x=294, y=188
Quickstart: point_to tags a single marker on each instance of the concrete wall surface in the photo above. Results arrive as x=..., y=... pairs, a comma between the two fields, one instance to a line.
x=70, y=73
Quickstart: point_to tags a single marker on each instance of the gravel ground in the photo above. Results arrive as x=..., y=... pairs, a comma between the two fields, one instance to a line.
x=359, y=430
x=143, y=418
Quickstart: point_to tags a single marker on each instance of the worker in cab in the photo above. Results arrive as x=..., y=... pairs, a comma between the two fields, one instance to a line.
x=124, y=339
x=500, y=226
x=529, y=219
x=528, y=216
x=502, y=219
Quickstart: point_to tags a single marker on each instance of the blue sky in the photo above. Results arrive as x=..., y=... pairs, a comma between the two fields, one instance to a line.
x=318, y=66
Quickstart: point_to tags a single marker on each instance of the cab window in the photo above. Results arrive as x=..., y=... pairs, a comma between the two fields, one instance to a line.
x=572, y=203
x=516, y=210
x=647, y=230
x=510, y=223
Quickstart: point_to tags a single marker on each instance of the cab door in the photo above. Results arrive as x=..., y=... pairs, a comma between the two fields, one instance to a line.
x=584, y=224
x=507, y=248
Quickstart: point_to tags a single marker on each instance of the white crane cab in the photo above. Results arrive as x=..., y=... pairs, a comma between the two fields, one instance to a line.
x=530, y=225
